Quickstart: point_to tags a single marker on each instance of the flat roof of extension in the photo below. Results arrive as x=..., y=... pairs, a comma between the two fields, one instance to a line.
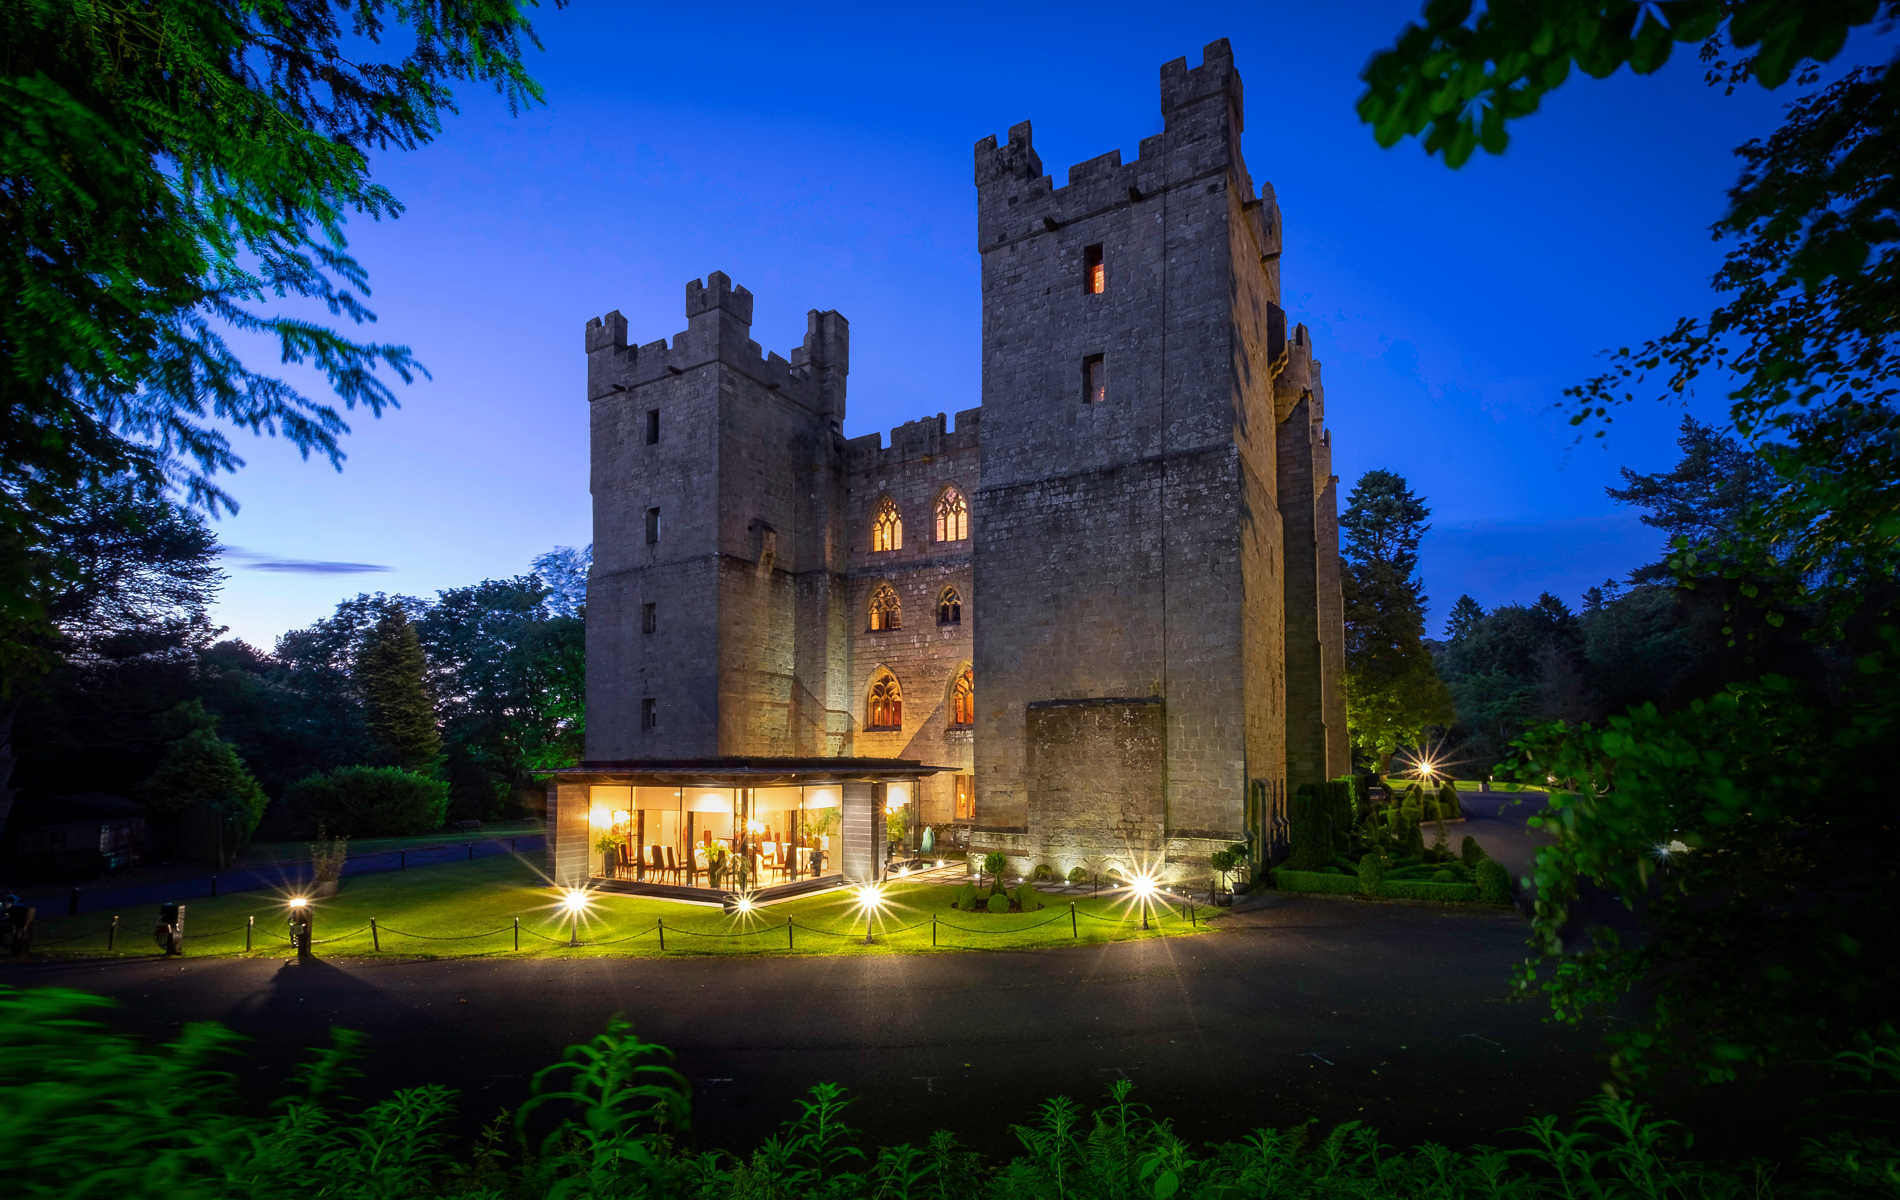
x=743, y=771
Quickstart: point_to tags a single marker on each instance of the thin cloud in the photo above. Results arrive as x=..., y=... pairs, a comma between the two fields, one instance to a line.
x=251, y=560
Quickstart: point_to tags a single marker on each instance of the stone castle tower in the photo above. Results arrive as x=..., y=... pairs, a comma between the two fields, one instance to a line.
x=1106, y=603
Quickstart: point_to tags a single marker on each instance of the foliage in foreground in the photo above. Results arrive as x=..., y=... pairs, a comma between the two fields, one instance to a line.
x=612, y=1119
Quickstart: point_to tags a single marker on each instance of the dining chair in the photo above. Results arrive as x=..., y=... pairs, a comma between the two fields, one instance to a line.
x=672, y=865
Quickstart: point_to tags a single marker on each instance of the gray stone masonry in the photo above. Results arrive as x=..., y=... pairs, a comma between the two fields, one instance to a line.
x=1148, y=587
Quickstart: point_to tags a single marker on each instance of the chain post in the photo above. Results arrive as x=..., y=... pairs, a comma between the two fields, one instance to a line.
x=375, y=942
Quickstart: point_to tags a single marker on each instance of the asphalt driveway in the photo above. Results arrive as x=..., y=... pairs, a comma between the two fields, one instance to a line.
x=1301, y=1007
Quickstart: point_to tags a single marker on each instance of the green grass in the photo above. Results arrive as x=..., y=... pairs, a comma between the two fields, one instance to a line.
x=299, y=851
x=412, y=908
x=1497, y=785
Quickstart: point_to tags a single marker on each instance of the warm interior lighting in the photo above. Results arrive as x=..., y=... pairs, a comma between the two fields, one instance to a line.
x=755, y=826
x=887, y=528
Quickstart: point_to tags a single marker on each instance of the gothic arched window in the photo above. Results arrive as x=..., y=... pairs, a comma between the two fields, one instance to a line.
x=886, y=613
x=963, y=700
x=886, y=708
x=887, y=528
x=953, y=516
x=949, y=607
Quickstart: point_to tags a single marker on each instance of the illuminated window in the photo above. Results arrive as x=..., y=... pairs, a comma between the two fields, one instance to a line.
x=953, y=516
x=1094, y=277
x=963, y=700
x=886, y=613
x=949, y=607
x=886, y=710
x=1094, y=380
x=966, y=797
x=649, y=714
x=887, y=528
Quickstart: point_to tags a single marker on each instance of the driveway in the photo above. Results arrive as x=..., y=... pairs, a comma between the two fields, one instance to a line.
x=1497, y=820
x=1300, y=1007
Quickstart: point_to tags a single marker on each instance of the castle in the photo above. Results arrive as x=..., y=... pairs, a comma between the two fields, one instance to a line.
x=1097, y=617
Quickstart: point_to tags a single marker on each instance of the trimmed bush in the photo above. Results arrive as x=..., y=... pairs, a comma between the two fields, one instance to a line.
x=995, y=863
x=966, y=898
x=1310, y=815
x=1361, y=795
x=1493, y=882
x=1445, y=875
x=1448, y=807
x=1471, y=852
x=1078, y=875
x=1422, y=889
x=361, y=802
x=998, y=903
x=1044, y=873
x=1371, y=873
x=1028, y=899
x=1315, y=881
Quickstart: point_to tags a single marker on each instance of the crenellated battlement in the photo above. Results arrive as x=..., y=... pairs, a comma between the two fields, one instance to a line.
x=914, y=441
x=1016, y=200
x=719, y=321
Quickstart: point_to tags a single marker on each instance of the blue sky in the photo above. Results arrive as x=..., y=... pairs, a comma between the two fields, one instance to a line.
x=821, y=156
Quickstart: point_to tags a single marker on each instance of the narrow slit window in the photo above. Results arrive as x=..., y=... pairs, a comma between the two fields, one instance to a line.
x=1094, y=274
x=1094, y=380
x=653, y=526
x=649, y=618
x=649, y=714
x=653, y=426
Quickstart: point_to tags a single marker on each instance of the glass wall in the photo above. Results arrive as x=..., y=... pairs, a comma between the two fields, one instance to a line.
x=713, y=837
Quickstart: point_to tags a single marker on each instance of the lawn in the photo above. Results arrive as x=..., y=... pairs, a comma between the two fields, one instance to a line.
x=468, y=910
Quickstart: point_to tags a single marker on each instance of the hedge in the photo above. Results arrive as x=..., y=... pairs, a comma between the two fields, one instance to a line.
x=1390, y=889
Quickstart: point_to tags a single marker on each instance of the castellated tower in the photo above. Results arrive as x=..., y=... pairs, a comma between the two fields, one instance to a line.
x=714, y=625
x=1156, y=543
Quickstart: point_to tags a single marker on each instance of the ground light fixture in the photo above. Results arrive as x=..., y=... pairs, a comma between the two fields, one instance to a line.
x=743, y=904
x=575, y=902
x=1144, y=885
x=870, y=899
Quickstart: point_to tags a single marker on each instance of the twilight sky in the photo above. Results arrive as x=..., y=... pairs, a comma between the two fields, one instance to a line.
x=821, y=156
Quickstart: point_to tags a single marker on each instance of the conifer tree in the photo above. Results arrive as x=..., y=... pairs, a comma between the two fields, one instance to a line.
x=203, y=789
x=396, y=704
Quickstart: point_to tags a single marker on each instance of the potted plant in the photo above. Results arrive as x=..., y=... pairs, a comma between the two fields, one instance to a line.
x=1222, y=861
x=609, y=847
x=716, y=858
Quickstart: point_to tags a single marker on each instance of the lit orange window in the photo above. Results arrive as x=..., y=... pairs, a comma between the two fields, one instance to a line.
x=953, y=516
x=886, y=613
x=963, y=700
x=886, y=710
x=1094, y=276
x=887, y=528
x=966, y=797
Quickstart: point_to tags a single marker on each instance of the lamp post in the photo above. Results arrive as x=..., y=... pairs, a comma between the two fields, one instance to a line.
x=574, y=901
x=300, y=926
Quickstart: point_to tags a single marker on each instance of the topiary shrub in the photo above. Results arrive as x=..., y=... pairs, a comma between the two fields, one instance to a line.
x=1310, y=818
x=995, y=863
x=1078, y=875
x=1448, y=807
x=1027, y=898
x=364, y=802
x=1043, y=873
x=1470, y=851
x=999, y=903
x=966, y=898
x=1494, y=882
x=1445, y=875
x=1371, y=874
x=1338, y=800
